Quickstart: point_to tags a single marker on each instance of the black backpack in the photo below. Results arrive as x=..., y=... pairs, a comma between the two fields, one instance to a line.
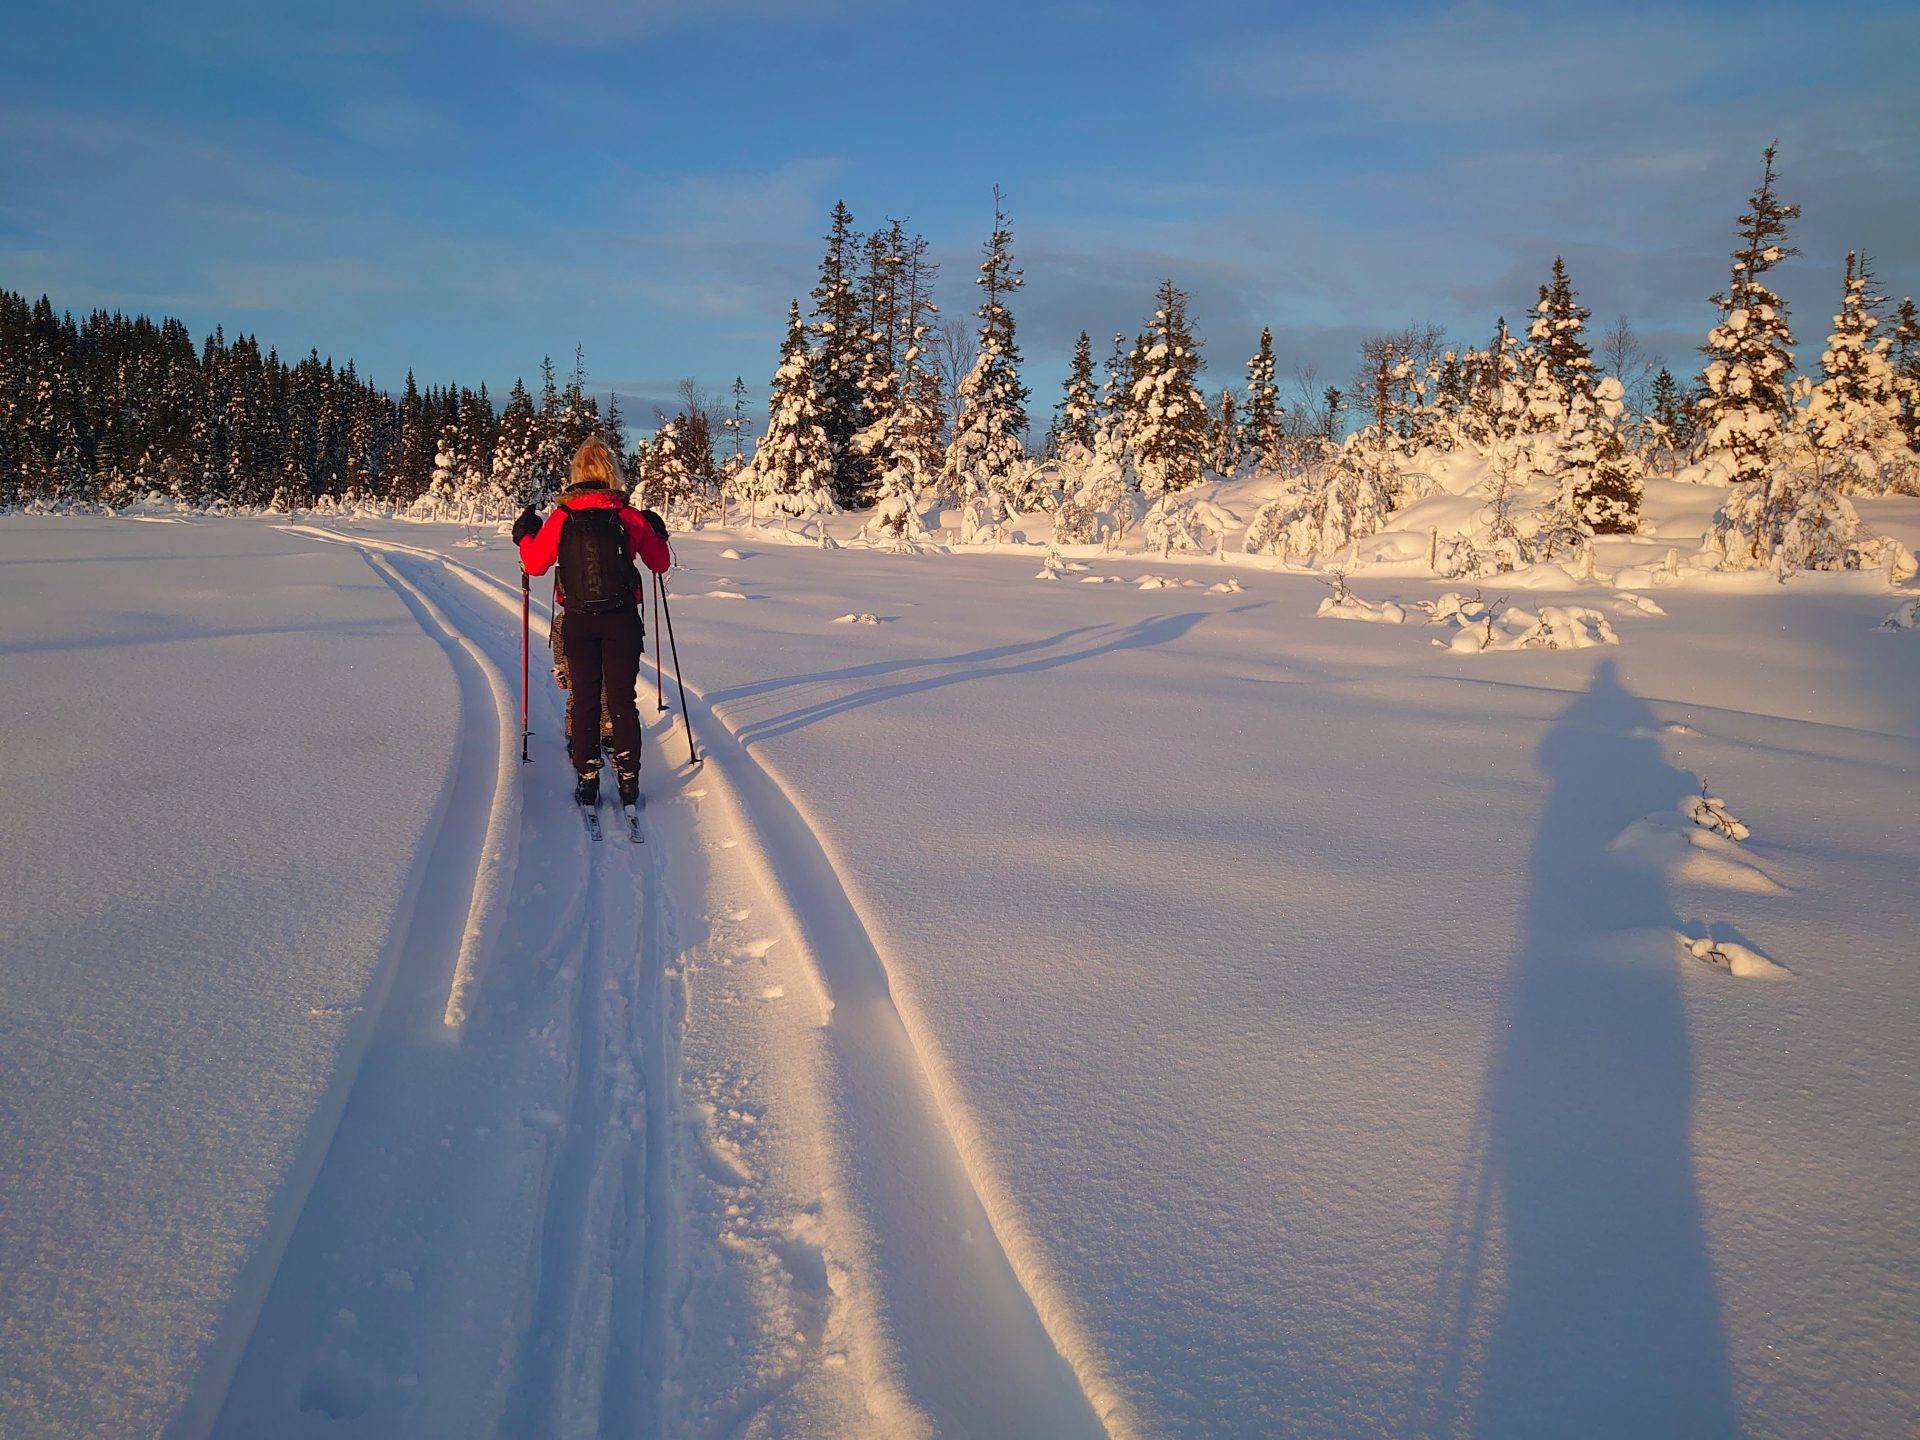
x=596, y=568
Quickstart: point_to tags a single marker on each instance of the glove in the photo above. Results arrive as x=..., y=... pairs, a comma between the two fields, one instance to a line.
x=527, y=524
x=652, y=518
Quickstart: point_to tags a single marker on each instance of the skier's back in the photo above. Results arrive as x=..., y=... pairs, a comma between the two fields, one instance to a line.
x=594, y=536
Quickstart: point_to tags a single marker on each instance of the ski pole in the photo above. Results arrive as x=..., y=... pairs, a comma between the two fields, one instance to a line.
x=659, y=685
x=526, y=626
x=693, y=755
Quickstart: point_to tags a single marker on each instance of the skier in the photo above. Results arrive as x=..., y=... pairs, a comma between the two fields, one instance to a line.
x=594, y=536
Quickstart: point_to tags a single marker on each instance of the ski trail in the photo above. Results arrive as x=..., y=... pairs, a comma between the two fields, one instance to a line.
x=987, y=1346
x=453, y=1272
x=953, y=1313
x=501, y=847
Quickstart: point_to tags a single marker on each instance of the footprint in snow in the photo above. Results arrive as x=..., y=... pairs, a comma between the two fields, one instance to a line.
x=741, y=914
x=758, y=949
x=773, y=992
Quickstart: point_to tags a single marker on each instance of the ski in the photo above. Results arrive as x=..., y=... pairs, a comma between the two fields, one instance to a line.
x=591, y=815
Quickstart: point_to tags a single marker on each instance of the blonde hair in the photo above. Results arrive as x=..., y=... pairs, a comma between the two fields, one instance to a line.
x=594, y=466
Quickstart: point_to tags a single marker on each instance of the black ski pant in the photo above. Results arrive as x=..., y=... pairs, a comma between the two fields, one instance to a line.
x=603, y=659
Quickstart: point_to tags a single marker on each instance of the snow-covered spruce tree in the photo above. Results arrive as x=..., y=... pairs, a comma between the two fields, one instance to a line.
x=1260, y=427
x=551, y=458
x=987, y=460
x=516, y=450
x=1744, y=395
x=918, y=446
x=1557, y=335
x=1079, y=405
x=792, y=467
x=1906, y=371
x=1669, y=426
x=1224, y=440
x=840, y=360
x=1497, y=401
x=881, y=321
x=579, y=413
x=1852, y=412
x=1168, y=413
x=443, y=488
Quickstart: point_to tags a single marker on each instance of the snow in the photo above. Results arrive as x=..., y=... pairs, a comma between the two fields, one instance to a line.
x=1128, y=1007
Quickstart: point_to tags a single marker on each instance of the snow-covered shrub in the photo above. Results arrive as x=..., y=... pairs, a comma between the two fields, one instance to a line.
x=1348, y=500
x=1175, y=524
x=1907, y=617
x=1711, y=812
x=1795, y=517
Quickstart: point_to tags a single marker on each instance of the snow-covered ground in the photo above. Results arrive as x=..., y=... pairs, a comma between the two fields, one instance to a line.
x=1054, y=1007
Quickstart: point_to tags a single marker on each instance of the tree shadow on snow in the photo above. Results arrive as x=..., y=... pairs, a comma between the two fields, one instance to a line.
x=1157, y=631
x=1611, y=1322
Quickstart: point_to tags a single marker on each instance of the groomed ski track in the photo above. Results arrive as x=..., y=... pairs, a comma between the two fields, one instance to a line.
x=557, y=1204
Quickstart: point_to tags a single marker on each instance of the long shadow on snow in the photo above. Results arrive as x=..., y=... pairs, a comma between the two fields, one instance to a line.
x=1611, y=1322
x=1157, y=631
x=892, y=667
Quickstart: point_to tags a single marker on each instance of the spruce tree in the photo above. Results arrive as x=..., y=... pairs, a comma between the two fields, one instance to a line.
x=839, y=358
x=1744, y=385
x=792, y=466
x=988, y=453
x=1225, y=439
x=1906, y=371
x=1558, y=337
x=919, y=446
x=516, y=450
x=1260, y=430
x=1078, y=407
x=1170, y=419
x=1853, y=410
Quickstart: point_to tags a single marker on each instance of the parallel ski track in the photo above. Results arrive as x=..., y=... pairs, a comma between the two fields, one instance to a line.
x=591, y=1353
x=598, y=1304
x=989, y=1345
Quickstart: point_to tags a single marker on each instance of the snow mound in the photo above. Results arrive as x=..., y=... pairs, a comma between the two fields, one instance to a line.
x=1741, y=961
x=1347, y=606
x=1166, y=582
x=1226, y=587
x=1907, y=617
x=1672, y=842
x=722, y=595
x=472, y=542
x=731, y=554
x=861, y=619
x=1484, y=628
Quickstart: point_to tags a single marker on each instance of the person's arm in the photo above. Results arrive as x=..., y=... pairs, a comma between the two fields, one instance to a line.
x=539, y=550
x=649, y=535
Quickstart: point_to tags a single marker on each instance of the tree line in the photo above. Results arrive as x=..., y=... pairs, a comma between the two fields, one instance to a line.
x=881, y=402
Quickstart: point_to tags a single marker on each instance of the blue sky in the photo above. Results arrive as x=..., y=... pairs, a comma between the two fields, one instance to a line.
x=463, y=186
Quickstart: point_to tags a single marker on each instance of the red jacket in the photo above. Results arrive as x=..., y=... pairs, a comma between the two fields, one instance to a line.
x=539, y=551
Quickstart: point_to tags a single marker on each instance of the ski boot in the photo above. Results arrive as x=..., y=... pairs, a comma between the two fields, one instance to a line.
x=587, y=791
